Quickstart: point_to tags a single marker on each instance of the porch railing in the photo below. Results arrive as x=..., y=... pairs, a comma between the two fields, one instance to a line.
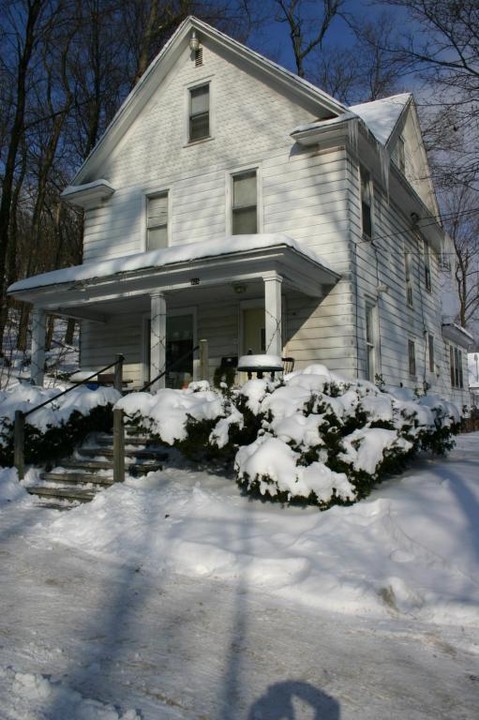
x=118, y=424
x=203, y=352
x=20, y=416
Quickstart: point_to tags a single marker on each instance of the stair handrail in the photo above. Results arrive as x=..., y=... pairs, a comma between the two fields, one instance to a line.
x=20, y=416
x=168, y=368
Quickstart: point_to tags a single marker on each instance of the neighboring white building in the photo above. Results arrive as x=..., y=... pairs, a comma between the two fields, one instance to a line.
x=473, y=373
x=233, y=201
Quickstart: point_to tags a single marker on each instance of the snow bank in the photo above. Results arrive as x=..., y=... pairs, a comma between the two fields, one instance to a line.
x=410, y=549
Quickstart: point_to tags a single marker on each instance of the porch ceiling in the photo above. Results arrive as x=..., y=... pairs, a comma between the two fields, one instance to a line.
x=185, y=281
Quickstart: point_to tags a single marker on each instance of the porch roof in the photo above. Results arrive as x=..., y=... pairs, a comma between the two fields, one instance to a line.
x=236, y=258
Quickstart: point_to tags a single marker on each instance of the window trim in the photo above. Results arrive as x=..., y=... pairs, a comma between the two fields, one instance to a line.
x=151, y=196
x=427, y=267
x=412, y=360
x=456, y=367
x=430, y=353
x=230, y=196
x=408, y=272
x=371, y=339
x=189, y=115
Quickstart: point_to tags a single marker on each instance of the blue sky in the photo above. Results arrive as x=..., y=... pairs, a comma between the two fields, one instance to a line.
x=273, y=39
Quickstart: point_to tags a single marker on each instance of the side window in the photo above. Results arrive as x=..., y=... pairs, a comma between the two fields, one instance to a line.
x=199, y=113
x=427, y=267
x=457, y=378
x=157, y=221
x=366, y=203
x=244, y=210
x=430, y=348
x=399, y=154
x=412, y=357
x=409, y=279
x=371, y=335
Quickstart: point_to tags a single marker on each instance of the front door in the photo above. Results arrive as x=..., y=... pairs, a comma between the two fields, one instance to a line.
x=179, y=350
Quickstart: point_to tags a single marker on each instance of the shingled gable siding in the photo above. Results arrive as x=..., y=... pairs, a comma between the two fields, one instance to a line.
x=154, y=155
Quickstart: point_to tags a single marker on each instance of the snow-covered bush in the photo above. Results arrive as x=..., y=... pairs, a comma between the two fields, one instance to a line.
x=314, y=437
x=55, y=430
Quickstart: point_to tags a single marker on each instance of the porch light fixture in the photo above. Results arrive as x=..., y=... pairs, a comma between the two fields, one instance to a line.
x=194, y=42
x=239, y=288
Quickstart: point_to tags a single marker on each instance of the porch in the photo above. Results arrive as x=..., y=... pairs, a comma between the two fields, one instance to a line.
x=155, y=306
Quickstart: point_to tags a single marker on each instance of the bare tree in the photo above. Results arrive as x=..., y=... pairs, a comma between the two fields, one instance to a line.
x=461, y=218
x=443, y=49
x=363, y=70
x=307, y=28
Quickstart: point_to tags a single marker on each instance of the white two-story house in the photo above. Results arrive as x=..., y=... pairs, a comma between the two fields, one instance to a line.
x=230, y=200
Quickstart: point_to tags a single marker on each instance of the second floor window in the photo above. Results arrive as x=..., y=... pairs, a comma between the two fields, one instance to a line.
x=409, y=282
x=157, y=222
x=199, y=113
x=430, y=347
x=245, y=204
x=427, y=267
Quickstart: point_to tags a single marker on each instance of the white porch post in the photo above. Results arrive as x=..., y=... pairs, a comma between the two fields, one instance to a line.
x=272, y=311
x=38, y=346
x=158, y=339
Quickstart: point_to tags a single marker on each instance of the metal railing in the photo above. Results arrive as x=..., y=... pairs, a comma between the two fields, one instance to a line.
x=169, y=368
x=20, y=416
x=118, y=423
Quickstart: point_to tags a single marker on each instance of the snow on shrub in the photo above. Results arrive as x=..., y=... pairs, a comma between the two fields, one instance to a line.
x=165, y=413
x=314, y=437
x=54, y=430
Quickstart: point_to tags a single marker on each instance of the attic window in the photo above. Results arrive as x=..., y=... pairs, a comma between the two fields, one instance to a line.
x=400, y=155
x=199, y=114
x=199, y=57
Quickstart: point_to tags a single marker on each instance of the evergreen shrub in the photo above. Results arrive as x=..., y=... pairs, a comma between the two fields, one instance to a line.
x=311, y=438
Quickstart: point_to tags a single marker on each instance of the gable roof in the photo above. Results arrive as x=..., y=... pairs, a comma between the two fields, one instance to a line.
x=383, y=116
x=314, y=99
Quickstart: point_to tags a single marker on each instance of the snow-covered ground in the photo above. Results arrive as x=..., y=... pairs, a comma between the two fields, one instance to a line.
x=175, y=597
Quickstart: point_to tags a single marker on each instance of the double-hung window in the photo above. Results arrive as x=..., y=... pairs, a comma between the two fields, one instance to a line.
x=430, y=348
x=371, y=322
x=199, y=113
x=427, y=267
x=157, y=221
x=457, y=377
x=366, y=203
x=409, y=279
x=412, y=358
x=244, y=209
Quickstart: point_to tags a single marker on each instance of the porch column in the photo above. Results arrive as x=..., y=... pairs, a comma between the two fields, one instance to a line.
x=158, y=339
x=38, y=346
x=272, y=311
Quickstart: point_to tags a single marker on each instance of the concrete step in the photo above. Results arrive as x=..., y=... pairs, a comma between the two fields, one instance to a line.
x=88, y=466
x=93, y=466
x=140, y=453
x=74, y=478
x=65, y=493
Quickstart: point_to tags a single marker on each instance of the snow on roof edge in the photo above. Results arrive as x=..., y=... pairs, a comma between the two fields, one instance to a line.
x=161, y=258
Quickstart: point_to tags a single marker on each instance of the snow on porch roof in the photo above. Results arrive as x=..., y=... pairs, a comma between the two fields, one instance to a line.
x=161, y=258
